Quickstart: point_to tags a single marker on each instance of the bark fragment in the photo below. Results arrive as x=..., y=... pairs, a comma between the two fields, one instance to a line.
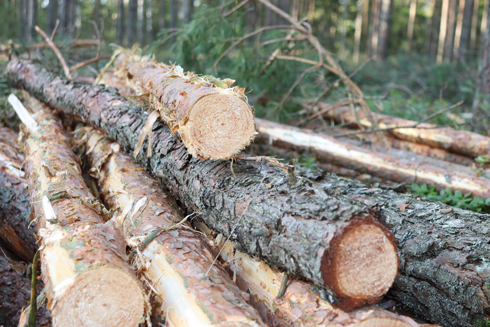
x=178, y=262
x=297, y=228
x=83, y=260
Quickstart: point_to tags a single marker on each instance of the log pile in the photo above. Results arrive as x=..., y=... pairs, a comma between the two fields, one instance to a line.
x=247, y=242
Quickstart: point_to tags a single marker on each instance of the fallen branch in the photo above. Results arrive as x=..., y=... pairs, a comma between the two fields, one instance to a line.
x=88, y=62
x=56, y=51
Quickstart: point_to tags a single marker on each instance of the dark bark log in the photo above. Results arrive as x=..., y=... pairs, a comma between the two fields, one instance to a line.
x=15, y=209
x=443, y=258
x=290, y=226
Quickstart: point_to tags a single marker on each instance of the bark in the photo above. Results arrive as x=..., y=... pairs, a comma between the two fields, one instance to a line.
x=15, y=291
x=461, y=142
x=286, y=225
x=378, y=164
x=52, y=15
x=449, y=46
x=132, y=20
x=192, y=295
x=213, y=121
x=384, y=29
x=443, y=270
x=120, y=22
x=80, y=253
x=299, y=306
x=15, y=208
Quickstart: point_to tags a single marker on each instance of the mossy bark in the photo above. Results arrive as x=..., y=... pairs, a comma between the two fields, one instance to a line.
x=15, y=208
x=286, y=225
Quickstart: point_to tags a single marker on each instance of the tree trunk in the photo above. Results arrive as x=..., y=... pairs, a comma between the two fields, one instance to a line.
x=177, y=260
x=78, y=249
x=411, y=24
x=465, y=31
x=344, y=5
x=15, y=208
x=186, y=102
x=174, y=13
x=483, y=83
x=187, y=9
x=379, y=164
x=436, y=23
x=132, y=22
x=140, y=26
x=31, y=13
x=358, y=30
x=384, y=29
x=96, y=14
x=274, y=217
x=462, y=142
x=52, y=15
x=443, y=30
x=161, y=14
x=459, y=30
x=299, y=306
x=451, y=22
x=483, y=27
x=22, y=18
x=443, y=271
x=149, y=22
x=374, y=29
x=120, y=22
x=474, y=26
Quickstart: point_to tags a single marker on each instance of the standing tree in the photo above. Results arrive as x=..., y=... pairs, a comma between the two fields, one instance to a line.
x=132, y=19
x=52, y=15
x=411, y=24
x=451, y=22
x=474, y=23
x=187, y=9
x=120, y=22
x=161, y=14
x=174, y=13
x=463, y=29
x=481, y=101
x=384, y=29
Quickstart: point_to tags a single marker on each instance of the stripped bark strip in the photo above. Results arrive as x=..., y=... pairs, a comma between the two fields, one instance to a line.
x=213, y=119
x=15, y=209
x=83, y=260
x=374, y=163
x=176, y=260
x=334, y=242
x=299, y=306
x=462, y=142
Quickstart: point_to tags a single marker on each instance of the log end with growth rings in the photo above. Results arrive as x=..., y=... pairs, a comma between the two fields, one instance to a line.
x=108, y=300
x=220, y=126
x=362, y=263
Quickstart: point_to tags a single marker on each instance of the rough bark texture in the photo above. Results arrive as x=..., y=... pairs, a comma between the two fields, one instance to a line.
x=293, y=227
x=444, y=262
x=462, y=142
x=80, y=253
x=299, y=306
x=15, y=208
x=214, y=120
x=178, y=262
x=375, y=163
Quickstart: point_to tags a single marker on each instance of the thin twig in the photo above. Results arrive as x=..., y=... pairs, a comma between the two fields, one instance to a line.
x=54, y=30
x=291, y=89
x=281, y=39
x=234, y=9
x=56, y=51
x=88, y=62
x=307, y=61
x=96, y=29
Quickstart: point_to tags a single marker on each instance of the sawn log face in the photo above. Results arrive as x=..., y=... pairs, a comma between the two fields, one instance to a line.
x=294, y=227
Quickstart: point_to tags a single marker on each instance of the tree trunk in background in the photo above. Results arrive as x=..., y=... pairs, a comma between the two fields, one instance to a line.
x=31, y=14
x=451, y=22
x=284, y=6
x=132, y=20
x=162, y=11
x=268, y=17
x=140, y=24
x=442, y=31
x=52, y=15
x=22, y=17
x=344, y=5
x=74, y=8
x=96, y=15
x=483, y=28
x=474, y=24
x=483, y=86
x=374, y=28
x=436, y=23
x=430, y=24
x=384, y=29
x=311, y=10
x=149, y=22
x=120, y=22
x=174, y=13
x=187, y=9
x=64, y=17
x=358, y=31
x=463, y=32
x=295, y=9
x=411, y=24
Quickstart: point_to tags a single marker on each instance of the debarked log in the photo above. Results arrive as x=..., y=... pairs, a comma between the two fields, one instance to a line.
x=374, y=163
x=83, y=260
x=177, y=262
x=15, y=208
x=315, y=234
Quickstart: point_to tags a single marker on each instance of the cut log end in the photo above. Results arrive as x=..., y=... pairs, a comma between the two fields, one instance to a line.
x=220, y=126
x=362, y=264
x=102, y=297
x=383, y=322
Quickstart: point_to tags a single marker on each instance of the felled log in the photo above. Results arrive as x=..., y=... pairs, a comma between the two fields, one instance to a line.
x=178, y=262
x=83, y=261
x=443, y=269
x=462, y=142
x=213, y=119
x=374, y=163
x=299, y=305
x=294, y=226
x=15, y=208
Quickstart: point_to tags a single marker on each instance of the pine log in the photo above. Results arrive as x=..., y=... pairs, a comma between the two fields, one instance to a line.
x=178, y=262
x=444, y=257
x=83, y=260
x=299, y=306
x=310, y=233
x=462, y=142
x=15, y=208
x=213, y=119
x=374, y=163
